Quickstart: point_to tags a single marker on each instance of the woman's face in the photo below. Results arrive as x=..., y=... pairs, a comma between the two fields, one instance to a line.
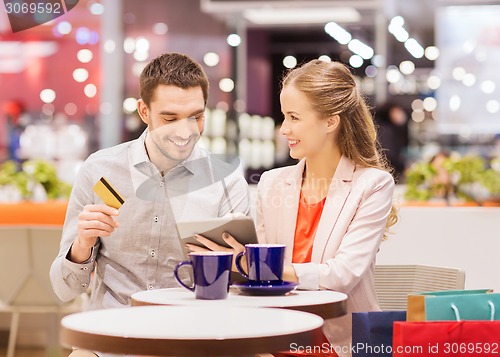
x=305, y=131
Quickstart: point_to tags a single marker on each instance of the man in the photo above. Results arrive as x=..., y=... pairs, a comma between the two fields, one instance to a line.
x=163, y=177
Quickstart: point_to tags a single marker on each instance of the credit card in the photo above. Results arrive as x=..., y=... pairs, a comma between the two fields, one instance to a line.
x=108, y=194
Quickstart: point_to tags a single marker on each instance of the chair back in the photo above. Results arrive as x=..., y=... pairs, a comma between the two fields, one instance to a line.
x=26, y=254
x=393, y=283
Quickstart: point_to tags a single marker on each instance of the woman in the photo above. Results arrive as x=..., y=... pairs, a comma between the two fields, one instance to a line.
x=331, y=209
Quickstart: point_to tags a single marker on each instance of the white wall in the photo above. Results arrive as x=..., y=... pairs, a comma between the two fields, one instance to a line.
x=455, y=237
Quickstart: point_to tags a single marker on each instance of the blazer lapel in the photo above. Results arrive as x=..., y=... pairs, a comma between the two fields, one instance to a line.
x=335, y=201
x=290, y=208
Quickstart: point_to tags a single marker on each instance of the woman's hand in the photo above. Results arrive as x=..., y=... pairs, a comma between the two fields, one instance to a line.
x=235, y=247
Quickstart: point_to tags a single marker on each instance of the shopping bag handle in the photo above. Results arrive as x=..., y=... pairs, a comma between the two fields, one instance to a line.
x=492, y=310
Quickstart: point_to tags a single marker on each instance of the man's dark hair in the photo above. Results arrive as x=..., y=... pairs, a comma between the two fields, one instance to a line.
x=172, y=69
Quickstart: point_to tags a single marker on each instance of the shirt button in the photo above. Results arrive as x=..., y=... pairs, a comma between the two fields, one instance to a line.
x=150, y=287
x=153, y=253
x=156, y=218
x=84, y=285
x=162, y=184
x=85, y=268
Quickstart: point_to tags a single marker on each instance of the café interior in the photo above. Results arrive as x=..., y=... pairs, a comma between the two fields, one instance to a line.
x=69, y=87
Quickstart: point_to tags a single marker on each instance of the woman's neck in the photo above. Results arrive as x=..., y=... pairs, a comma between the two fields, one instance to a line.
x=318, y=174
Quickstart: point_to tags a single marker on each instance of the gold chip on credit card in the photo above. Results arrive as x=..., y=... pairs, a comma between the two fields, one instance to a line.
x=108, y=194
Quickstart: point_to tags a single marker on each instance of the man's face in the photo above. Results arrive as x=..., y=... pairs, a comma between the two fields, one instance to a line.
x=175, y=119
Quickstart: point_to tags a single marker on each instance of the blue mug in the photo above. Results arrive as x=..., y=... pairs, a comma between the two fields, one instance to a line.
x=265, y=263
x=211, y=271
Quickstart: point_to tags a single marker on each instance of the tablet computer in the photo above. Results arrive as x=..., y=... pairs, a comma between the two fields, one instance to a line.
x=242, y=228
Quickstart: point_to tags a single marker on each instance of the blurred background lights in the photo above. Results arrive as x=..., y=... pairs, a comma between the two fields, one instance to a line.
x=458, y=73
x=492, y=106
x=141, y=44
x=47, y=95
x=417, y=104
x=338, y=33
x=469, y=80
x=94, y=37
x=488, y=86
x=137, y=68
x=432, y=53
x=64, y=27
x=434, y=82
x=396, y=28
x=418, y=116
x=289, y=61
x=80, y=75
x=48, y=109
x=356, y=61
x=407, y=67
x=141, y=52
x=361, y=49
x=211, y=59
x=90, y=90
x=398, y=21
x=233, y=40
x=371, y=71
x=414, y=48
x=96, y=8
x=84, y=55
x=378, y=61
x=392, y=75
x=141, y=55
x=129, y=105
x=430, y=104
x=468, y=46
x=226, y=85
x=160, y=28
x=129, y=45
x=83, y=35
x=454, y=103
x=70, y=109
x=109, y=46
x=325, y=58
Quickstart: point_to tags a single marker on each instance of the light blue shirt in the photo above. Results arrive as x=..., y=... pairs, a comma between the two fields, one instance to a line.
x=144, y=250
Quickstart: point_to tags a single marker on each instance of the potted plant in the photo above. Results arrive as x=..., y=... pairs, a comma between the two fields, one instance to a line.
x=35, y=180
x=423, y=186
x=13, y=184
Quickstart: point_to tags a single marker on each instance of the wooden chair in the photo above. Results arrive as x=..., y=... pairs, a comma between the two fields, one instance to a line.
x=393, y=283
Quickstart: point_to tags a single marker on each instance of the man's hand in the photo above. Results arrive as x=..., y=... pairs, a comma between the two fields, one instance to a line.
x=94, y=221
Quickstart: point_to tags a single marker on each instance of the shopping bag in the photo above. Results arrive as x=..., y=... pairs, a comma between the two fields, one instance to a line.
x=372, y=332
x=454, y=305
x=446, y=338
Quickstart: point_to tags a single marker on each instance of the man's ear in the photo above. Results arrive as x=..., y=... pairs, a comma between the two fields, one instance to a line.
x=332, y=123
x=143, y=111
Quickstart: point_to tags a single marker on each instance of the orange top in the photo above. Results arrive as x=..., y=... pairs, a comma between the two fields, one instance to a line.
x=33, y=213
x=305, y=230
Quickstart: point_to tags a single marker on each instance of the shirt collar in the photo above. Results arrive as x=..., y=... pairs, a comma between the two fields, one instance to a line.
x=139, y=156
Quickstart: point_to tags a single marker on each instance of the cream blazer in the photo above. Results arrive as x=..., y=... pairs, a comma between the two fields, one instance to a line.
x=347, y=239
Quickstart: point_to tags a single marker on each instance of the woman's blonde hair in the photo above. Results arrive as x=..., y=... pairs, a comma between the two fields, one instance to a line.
x=332, y=90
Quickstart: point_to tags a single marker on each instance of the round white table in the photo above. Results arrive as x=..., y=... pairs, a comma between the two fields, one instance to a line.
x=324, y=303
x=189, y=330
